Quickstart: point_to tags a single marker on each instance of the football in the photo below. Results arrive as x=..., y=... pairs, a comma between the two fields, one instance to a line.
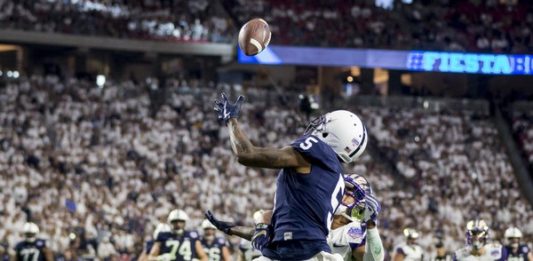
x=254, y=36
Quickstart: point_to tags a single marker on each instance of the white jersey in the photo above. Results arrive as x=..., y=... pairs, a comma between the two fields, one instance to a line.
x=492, y=252
x=343, y=239
x=411, y=252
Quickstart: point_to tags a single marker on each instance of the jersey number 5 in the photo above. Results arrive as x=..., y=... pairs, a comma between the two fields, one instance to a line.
x=308, y=143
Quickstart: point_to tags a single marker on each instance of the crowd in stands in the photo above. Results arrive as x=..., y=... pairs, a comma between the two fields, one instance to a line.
x=435, y=25
x=487, y=26
x=523, y=130
x=177, y=20
x=112, y=162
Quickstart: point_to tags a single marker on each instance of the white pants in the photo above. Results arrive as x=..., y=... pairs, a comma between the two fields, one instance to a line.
x=322, y=256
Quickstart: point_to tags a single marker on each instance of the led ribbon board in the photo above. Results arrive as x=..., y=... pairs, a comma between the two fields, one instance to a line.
x=452, y=62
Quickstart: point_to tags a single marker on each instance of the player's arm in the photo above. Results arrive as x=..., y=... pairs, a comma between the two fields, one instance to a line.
x=358, y=253
x=154, y=253
x=398, y=255
x=374, y=250
x=48, y=255
x=202, y=256
x=253, y=156
x=143, y=256
x=226, y=256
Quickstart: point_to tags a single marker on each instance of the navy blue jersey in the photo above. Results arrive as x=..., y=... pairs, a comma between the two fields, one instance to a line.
x=519, y=255
x=305, y=203
x=148, y=246
x=179, y=247
x=31, y=251
x=214, y=248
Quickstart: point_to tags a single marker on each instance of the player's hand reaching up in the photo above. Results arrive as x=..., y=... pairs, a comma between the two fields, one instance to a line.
x=220, y=225
x=373, y=207
x=227, y=110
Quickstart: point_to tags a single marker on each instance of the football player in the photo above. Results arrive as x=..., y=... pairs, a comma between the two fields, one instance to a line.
x=354, y=234
x=32, y=248
x=178, y=244
x=515, y=250
x=477, y=248
x=309, y=186
x=215, y=247
x=160, y=228
x=408, y=251
x=247, y=252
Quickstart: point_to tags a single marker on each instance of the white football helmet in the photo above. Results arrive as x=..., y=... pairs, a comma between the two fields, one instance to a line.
x=30, y=228
x=161, y=227
x=177, y=215
x=343, y=131
x=206, y=224
x=30, y=231
x=410, y=233
x=513, y=232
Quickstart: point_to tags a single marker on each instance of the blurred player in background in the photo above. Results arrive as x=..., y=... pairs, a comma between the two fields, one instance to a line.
x=410, y=250
x=178, y=244
x=215, y=247
x=477, y=247
x=515, y=250
x=32, y=248
x=160, y=228
x=310, y=185
x=247, y=252
x=354, y=234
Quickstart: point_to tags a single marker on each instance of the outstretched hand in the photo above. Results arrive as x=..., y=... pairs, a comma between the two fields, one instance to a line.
x=226, y=110
x=223, y=226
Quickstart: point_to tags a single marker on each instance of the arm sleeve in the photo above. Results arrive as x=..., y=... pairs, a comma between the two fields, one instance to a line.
x=317, y=152
x=374, y=247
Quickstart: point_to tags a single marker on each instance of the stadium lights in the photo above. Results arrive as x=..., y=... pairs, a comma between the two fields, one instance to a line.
x=100, y=81
x=1, y=73
x=16, y=74
x=349, y=79
x=9, y=74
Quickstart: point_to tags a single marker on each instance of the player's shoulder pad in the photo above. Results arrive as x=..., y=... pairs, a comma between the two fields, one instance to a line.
x=164, y=236
x=40, y=243
x=317, y=152
x=495, y=250
x=221, y=241
x=192, y=234
x=524, y=248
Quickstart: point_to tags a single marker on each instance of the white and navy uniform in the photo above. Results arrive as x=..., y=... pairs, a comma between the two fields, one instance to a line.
x=521, y=253
x=343, y=240
x=213, y=249
x=304, y=203
x=178, y=247
x=31, y=250
x=492, y=252
x=248, y=251
x=411, y=252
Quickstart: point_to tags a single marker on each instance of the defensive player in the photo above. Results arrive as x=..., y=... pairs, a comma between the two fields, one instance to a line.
x=477, y=248
x=32, y=248
x=160, y=228
x=410, y=250
x=514, y=249
x=215, y=247
x=354, y=234
x=178, y=244
x=310, y=184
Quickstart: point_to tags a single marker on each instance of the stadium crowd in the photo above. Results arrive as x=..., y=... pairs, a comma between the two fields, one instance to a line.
x=495, y=26
x=146, y=20
x=523, y=130
x=107, y=164
x=434, y=25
